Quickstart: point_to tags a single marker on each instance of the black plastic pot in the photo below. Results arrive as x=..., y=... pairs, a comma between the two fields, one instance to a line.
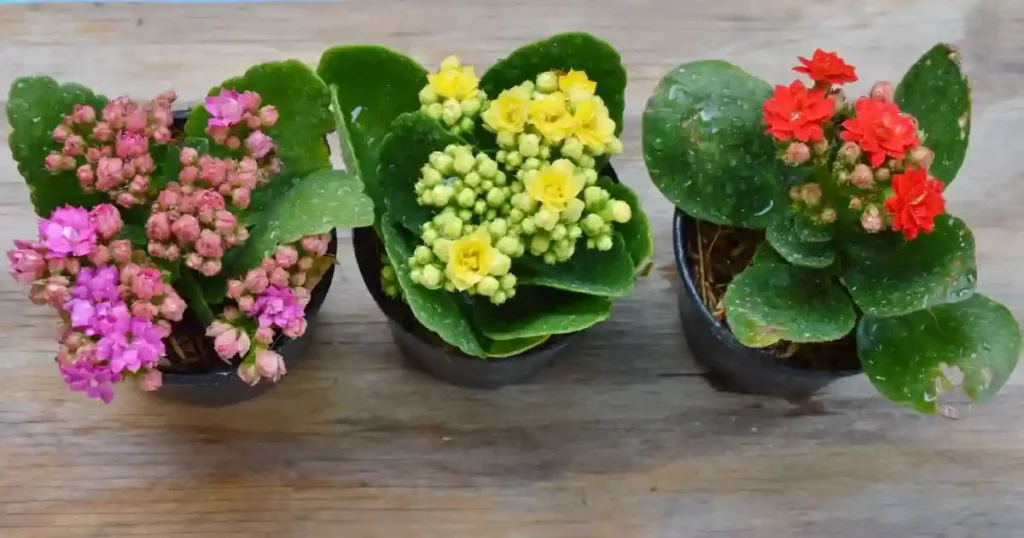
x=731, y=366
x=222, y=387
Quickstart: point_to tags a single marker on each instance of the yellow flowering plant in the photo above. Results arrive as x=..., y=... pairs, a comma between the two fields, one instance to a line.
x=501, y=222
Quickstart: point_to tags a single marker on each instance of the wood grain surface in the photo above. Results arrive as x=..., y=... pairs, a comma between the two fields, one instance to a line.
x=621, y=439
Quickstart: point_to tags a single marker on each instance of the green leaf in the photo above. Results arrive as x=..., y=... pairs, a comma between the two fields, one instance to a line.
x=35, y=107
x=302, y=103
x=636, y=233
x=406, y=148
x=766, y=255
x=135, y=234
x=705, y=145
x=168, y=168
x=365, y=106
x=771, y=302
x=889, y=276
x=192, y=293
x=787, y=240
x=316, y=204
x=501, y=349
x=907, y=357
x=590, y=271
x=564, y=52
x=539, y=311
x=437, y=310
x=937, y=93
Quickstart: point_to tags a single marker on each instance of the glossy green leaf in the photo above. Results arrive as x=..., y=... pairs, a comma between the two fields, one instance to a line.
x=303, y=106
x=406, y=148
x=637, y=232
x=192, y=293
x=540, y=311
x=771, y=302
x=317, y=204
x=169, y=165
x=889, y=276
x=437, y=310
x=787, y=240
x=936, y=92
x=766, y=255
x=503, y=349
x=609, y=274
x=909, y=358
x=705, y=145
x=35, y=107
x=365, y=106
x=563, y=52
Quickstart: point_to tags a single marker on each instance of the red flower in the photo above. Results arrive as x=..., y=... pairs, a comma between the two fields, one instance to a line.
x=916, y=200
x=827, y=67
x=795, y=112
x=881, y=130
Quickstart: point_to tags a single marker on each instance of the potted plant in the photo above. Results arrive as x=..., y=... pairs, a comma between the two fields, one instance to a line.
x=811, y=231
x=501, y=230
x=185, y=251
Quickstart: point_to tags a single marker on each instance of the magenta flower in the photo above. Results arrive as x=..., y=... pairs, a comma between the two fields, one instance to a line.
x=95, y=380
x=278, y=306
x=96, y=284
x=133, y=344
x=225, y=109
x=27, y=265
x=259, y=144
x=68, y=231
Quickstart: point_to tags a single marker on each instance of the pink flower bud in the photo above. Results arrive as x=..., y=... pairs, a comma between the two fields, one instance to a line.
x=856, y=203
x=84, y=114
x=218, y=328
x=169, y=197
x=302, y=295
x=92, y=155
x=256, y=281
x=129, y=145
x=162, y=116
x=259, y=144
x=797, y=153
x=882, y=91
x=85, y=175
x=102, y=132
x=172, y=307
x=862, y=177
x=871, y=219
x=248, y=374
x=158, y=227
x=162, y=135
x=233, y=142
x=226, y=344
x=27, y=265
x=194, y=261
x=246, y=303
x=286, y=256
x=165, y=99
x=61, y=133
x=241, y=197
x=107, y=220
x=72, y=265
x=150, y=380
x=317, y=244
x=274, y=167
x=249, y=101
x=922, y=157
x=144, y=164
x=53, y=162
x=265, y=335
x=209, y=244
x=811, y=194
x=139, y=185
x=236, y=289
x=121, y=250
x=147, y=283
x=55, y=293
x=108, y=173
x=74, y=145
x=188, y=174
x=225, y=221
x=295, y=328
x=136, y=121
x=828, y=215
x=186, y=229
x=252, y=122
x=126, y=200
x=268, y=115
x=127, y=170
x=279, y=277
x=305, y=263
x=67, y=162
x=243, y=342
x=883, y=174
x=210, y=267
x=73, y=340
x=850, y=152
x=268, y=264
x=231, y=313
x=219, y=133
x=144, y=310
x=820, y=147
x=270, y=365
x=298, y=279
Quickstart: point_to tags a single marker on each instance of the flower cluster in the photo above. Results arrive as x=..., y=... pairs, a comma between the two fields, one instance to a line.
x=871, y=150
x=111, y=152
x=271, y=299
x=115, y=308
x=452, y=96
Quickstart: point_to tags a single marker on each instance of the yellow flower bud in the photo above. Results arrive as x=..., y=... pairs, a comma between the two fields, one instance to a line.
x=529, y=145
x=416, y=275
x=586, y=161
x=495, y=197
x=575, y=232
x=487, y=286
x=550, y=257
x=547, y=82
x=573, y=210
x=590, y=176
x=508, y=245
x=387, y=273
x=431, y=176
x=435, y=110
x=514, y=159
x=441, y=162
x=472, y=179
x=539, y=244
x=450, y=62
x=479, y=207
x=487, y=169
x=499, y=178
x=499, y=297
x=466, y=215
x=466, y=124
x=431, y=277
x=501, y=264
x=470, y=106
x=464, y=163
x=614, y=146
x=453, y=229
x=532, y=163
x=430, y=236
x=506, y=139
x=423, y=255
x=466, y=197
x=572, y=148
x=428, y=96
x=441, y=248
x=426, y=198
x=594, y=196
x=604, y=243
x=529, y=226
x=592, y=224
x=508, y=282
x=564, y=250
x=546, y=219
x=451, y=112
x=621, y=212
x=559, y=232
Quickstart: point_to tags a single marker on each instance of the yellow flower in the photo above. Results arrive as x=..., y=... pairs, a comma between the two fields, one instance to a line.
x=453, y=80
x=555, y=184
x=576, y=85
x=470, y=259
x=508, y=112
x=592, y=124
x=551, y=117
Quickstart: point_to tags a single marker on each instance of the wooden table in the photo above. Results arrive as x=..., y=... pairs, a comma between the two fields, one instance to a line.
x=621, y=439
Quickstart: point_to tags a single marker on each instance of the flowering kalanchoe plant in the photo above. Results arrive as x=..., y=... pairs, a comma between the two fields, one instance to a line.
x=225, y=218
x=851, y=193
x=500, y=223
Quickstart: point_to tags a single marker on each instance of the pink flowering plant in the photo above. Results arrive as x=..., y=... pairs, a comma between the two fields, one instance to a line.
x=171, y=247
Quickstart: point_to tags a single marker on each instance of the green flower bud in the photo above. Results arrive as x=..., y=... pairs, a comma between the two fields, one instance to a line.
x=486, y=185
x=545, y=218
x=572, y=148
x=523, y=202
x=508, y=282
x=490, y=215
x=495, y=197
x=532, y=163
x=487, y=286
x=508, y=245
x=427, y=95
x=604, y=243
x=501, y=156
x=441, y=249
x=466, y=214
x=416, y=275
x=466, y=197
x=442, y=194
x=498, y=228
x=559, y=232
x=470, y=107
x=539, y=244
x=515, y=216
x=387, y=273
x=547, y=82
x=480, y=207
x=550, y=258
x=441, y=162
x=529, y=226
x=435, y=110
x=499, y=297
x=453, y=228
x=391, y=290
x=614, y=147
x=449, y=286
x=472, y=179
x=451, y=112
x=517, y=187
x=431, y=177
x=594, y=195
x=499, y=179
x=426, y=198
x=586, y=161
x=573, y=210
x=590, y=244
x=621, y=212
x=464, y=164
x=575, y=232
x=431, y=277
x=502, y=263
x=506, y=139
x=487, y=169
x=545, y=153
x=514, y=159
x=564, y=250
x=423, y=255
x=592, y=224
x=529, y=145
x=590, y=176
x=466, y=124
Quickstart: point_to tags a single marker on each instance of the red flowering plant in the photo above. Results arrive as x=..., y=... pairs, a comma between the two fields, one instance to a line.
x=849, y=193
x=154, y=231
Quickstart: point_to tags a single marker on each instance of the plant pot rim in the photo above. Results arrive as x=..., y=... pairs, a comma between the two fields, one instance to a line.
x=680, y=223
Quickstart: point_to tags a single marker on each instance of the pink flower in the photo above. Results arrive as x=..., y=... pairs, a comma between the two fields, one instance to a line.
x=186, y=229
x=131, y=345
x=68, y=231
x=209, y=244
x=107, y=219
x=172, y=307
x=147, y=283
x=158, y=227
x=151, y=380
x=276, y=306
x=97, y=284
x=218, y=328
x=225, y=109
x=108, y=173
x=268, y=115
x=27, y=265
x=259, y=144
x=256, y=281
x=230, y=343
x=270, y=365
x=131, y=144
x=96, y=381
